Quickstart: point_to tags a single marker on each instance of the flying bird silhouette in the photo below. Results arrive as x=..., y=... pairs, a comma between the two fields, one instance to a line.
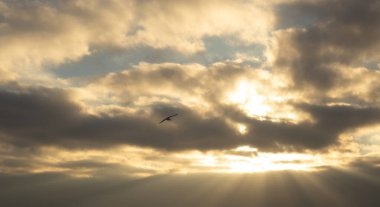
x=168, y=118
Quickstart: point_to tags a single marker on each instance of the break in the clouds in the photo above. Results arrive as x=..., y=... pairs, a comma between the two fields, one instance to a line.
x=81, y=80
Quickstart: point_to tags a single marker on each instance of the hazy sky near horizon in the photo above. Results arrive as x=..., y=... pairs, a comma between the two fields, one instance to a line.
x=258, y=85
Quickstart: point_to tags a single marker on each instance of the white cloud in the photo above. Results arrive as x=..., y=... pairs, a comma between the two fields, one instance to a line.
x=35, y=35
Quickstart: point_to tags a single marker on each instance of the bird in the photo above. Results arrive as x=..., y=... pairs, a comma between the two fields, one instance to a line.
x=168, y=118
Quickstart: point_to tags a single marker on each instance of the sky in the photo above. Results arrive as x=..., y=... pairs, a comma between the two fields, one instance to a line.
x=278, y=102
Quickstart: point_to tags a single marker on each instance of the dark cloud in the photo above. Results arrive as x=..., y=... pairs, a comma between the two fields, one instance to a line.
x=34, y=115
x=42, y=116
x=98, y=169
x=329, y=122
x=330, y=187
x=344, y=32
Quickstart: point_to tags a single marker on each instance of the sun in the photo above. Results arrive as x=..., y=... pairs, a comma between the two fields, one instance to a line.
x=259, y=103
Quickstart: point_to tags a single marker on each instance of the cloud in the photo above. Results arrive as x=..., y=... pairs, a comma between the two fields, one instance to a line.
x=344, y=32
x=40, y=116
x=47, y=117
x=213, y=101
x=186, y=84
x=182, y=25
x=358, y=86
x=259, y=86
x=39, y=34
x=36, y=34
x=323, y=128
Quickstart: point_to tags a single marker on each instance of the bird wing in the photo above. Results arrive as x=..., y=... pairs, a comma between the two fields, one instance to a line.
x=172, y=116
x=168, y=118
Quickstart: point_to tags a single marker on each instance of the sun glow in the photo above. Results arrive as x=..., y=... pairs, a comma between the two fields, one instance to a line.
x=259, y=103
x=246, y=159
x=242, y=128
x=260, y=162
x=271, y=162
x=148, y=162
x=246, y=95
